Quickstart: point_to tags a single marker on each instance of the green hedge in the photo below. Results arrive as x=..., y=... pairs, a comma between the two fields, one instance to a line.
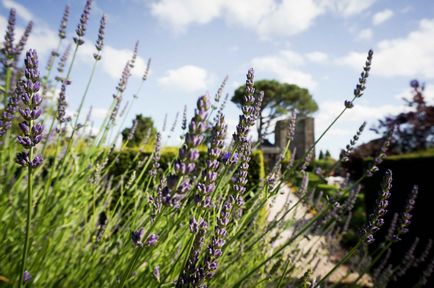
x=129, y=157
x=409, y=169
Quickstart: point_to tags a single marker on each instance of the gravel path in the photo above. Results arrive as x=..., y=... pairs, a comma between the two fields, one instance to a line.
x=312, y=243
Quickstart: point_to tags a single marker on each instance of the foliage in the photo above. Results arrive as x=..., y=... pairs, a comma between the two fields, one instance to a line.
x=414, y=130
x=279, y=99
x=141, y=133
x=95, y=215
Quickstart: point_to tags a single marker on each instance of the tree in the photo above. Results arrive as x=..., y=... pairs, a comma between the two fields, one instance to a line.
x=144, y=132
x=279, y=99
x=413, y=130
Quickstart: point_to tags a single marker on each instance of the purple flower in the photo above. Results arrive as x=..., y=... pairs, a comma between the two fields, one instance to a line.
x=360, y=87
x=405, y=217
x=31, y=129
x=8, y=49
x=376, y=217
x=9, y=112
x=250, y=108
x=64, y=59
x=99, y=45
x=81, y=27
x=22, y=43
x=62, y=104
x=148, y=66
x=414, y=84
x=228, y=159
x=152, y=240
x=137, y=237
x=27, y=277
x=135, y=51
x=191, y=275
x=156, y=273
x=64, y=23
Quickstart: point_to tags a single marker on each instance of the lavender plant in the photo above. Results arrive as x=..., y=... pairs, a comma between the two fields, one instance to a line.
x=190, y=221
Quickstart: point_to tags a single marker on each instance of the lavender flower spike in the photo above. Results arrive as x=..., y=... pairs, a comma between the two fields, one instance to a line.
x=31, y=129
x=8, y=49
x=8, y=114
x=191, y=274
x=209, y=176
x=247, y=119
x=64, y=23
x=99, y=45
x=156, y=157
x=22, y=43
x=82, y=25
x=376, y=218
x=405, y=218
x=214, y=251
x=146, y=73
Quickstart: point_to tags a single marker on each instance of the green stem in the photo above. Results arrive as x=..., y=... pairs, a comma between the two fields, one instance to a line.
x=29, y=218
x=342, y=261
x=280, y=249
x=85, y=94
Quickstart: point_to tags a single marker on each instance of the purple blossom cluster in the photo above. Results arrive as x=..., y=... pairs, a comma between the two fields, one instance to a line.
x=64, y=23
x=209, y=175
x=405, y=217
x=62, y=105
x=32, y=130
x=191, y=275
x=138, y=236
x=214, y=251
x=146, y=72
x=345, y=154
x=188, y=153
x=381, y=154
x=63, y=59
x=82, y=25
x=99, y=45
x=23, y=40
x=156, y=156
x=239, y=180
x=8, y=49
x=376, y=218
x=8, y=114
x=179, y=183
x=249, y=109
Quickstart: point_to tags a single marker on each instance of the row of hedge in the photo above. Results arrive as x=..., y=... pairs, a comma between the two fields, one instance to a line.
x=408, y=170
x=130, y=157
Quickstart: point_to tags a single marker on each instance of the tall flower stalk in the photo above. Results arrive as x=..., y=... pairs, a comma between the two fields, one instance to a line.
x=32, y=135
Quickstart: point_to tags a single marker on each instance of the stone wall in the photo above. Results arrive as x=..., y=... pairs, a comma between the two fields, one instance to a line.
x=303, y=140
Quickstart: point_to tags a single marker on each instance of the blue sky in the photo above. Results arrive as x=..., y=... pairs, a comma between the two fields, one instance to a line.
x=194, y=44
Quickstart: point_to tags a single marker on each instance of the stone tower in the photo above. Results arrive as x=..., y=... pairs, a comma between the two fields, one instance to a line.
x=304, y=135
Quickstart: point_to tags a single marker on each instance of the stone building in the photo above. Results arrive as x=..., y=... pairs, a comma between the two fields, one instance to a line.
x=303, y=140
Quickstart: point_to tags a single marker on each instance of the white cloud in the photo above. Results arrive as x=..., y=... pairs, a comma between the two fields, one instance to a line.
x=22, y=11
x=113, y=60
x=188, y=78
x=365, y=34
x=348, y=8
x=412, y=56
x=180, y=14
x=266, y=17
x=99, y=113
x=340, y=134
x=382, y=17
x=317, y=57
x=284, y=66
